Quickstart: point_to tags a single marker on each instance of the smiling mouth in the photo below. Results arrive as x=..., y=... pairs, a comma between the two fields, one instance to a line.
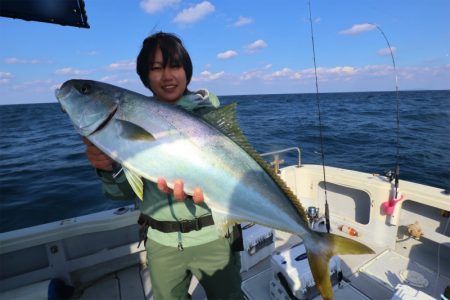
x=169, y=87
x=106, y=121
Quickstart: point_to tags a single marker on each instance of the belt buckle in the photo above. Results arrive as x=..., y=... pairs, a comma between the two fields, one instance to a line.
x=189, y=225
x=198, y=225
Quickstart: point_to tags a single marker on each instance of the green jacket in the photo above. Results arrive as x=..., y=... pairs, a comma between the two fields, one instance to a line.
x=161, y=206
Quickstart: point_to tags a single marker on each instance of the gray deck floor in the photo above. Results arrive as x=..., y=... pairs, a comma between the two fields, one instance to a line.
x=377, y=278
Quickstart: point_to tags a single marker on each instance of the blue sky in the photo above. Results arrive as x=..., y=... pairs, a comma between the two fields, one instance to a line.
x=237, y=47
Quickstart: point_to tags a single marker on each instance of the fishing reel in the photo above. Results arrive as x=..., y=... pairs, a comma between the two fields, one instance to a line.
x=316, y=222
x=313, y=214
x=390, y=175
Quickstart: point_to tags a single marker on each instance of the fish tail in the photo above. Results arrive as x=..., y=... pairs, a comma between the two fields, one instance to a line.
x=320, y=247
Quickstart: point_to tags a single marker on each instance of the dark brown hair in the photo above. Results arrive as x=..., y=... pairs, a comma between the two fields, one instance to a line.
x=173, y=52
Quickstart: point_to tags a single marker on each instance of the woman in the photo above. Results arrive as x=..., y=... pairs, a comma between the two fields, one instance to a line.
x=176, y=250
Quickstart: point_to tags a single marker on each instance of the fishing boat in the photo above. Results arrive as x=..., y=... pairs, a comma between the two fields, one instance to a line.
x=98, y=256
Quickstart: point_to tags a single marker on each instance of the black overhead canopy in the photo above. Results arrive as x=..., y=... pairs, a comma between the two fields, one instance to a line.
x=63, y=12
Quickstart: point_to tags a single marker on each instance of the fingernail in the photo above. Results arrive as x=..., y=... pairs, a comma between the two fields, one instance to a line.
x=178, y=191
x=198, y=195
x=162, y=185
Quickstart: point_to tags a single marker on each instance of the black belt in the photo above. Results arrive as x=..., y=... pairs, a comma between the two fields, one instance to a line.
x=183, y=226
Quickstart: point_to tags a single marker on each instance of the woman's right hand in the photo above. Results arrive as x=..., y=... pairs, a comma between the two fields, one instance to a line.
x=97, y=158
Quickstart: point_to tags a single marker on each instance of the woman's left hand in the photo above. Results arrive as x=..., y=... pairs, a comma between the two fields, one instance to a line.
x=178, y=190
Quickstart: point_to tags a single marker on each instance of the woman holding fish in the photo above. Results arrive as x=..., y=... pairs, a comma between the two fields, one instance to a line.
x=205, y=147
x=181, y=239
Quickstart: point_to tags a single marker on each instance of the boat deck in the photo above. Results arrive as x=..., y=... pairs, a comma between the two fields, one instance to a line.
x=374, y=276
x=82, y=250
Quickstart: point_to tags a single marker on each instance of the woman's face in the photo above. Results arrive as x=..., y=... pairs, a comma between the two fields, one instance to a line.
x=167, y=83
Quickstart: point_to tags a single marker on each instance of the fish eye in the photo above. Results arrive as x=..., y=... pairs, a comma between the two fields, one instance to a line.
x=86, y=88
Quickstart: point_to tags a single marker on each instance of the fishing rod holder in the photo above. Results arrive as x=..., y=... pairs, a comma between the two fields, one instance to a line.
x=276, y=158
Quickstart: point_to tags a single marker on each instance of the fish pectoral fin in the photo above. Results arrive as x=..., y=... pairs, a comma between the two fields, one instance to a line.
x=320, y=248
x=134, y=132
x=135, y=182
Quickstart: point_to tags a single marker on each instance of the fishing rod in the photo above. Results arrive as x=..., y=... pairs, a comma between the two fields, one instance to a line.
x=396, y=174
x=389, y=205
x=322, y=154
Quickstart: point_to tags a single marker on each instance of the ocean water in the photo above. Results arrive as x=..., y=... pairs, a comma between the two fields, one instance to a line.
x=45, y=177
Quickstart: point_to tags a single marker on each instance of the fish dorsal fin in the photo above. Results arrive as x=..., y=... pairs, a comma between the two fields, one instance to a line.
x=135, y=182
x=224, y=119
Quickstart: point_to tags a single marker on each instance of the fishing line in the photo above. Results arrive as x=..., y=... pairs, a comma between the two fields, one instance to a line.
x=327, y=213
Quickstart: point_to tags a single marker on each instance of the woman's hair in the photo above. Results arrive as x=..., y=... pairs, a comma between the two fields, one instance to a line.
x=173, y=52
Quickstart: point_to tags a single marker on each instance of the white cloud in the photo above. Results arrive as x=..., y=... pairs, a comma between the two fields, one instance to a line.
x=208, y=76
x=322, y=73
x=283, y=73
x=12, y=60
x=5, y=77
x=337, y=70
x=194, y=13
x=123, y=65
x=110, y=79
x=39, y=82
x=42, y=85
x=15, y=60
x=298, y=75
x=72, y=71
x=255, y=46
x=243, y=21
x=123, y=81
x=248, y=75
x=376, y=70
x=333, y=71
x=358, y=28
x=386, y=51
x=153, y=6
x=227, y=54
x=257, y=73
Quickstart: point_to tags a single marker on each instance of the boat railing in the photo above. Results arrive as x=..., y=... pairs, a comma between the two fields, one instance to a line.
x=276, y=162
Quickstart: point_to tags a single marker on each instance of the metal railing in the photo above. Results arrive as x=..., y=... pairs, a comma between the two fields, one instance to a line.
x=276, y=157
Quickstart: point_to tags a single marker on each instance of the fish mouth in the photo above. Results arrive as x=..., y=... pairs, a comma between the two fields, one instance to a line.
x=60, y=93
x=106, y=121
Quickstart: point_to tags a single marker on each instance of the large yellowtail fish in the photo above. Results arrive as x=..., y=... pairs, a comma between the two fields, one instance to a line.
x=150, y=138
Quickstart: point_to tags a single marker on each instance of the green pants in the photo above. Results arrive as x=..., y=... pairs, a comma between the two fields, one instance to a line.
x=214, y=264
